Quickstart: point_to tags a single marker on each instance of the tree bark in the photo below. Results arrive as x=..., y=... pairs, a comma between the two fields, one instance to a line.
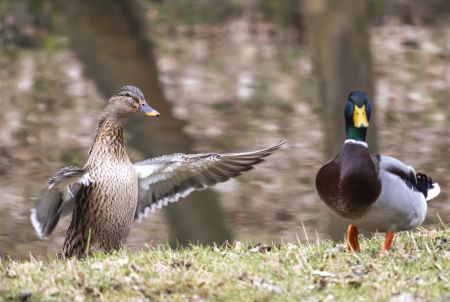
x=111, y=39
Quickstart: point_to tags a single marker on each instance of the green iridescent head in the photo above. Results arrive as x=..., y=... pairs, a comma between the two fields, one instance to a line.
x=357, y=115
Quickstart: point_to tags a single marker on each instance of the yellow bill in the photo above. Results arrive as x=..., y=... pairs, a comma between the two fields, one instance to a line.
x=360, y=117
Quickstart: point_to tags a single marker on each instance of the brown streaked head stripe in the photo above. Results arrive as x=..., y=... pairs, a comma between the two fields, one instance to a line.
x=132, y=90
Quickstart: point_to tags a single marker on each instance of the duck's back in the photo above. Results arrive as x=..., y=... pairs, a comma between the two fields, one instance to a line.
x=349, y=184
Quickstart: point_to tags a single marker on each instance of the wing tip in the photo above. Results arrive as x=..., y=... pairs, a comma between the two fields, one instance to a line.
x=281, y=142
x=277, y=145
x=36, y=224
x=274, y=147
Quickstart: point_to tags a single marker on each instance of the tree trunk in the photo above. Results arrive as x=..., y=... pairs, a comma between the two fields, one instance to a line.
x=339, y=41
x=111, y=39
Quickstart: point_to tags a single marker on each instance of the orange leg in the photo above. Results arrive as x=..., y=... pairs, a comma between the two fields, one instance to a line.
x=388, y=240
x=352, y=239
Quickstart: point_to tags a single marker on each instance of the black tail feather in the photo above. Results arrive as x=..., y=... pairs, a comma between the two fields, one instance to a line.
x=424, y=183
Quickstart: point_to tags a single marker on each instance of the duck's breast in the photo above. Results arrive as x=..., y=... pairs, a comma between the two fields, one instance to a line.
x=113, y=198
x=349, y=184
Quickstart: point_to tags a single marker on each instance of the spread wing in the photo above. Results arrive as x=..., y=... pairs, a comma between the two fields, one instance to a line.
x=57, y=199
x=168, y=178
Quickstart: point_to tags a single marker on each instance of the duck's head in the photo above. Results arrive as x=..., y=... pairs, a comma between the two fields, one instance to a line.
x=357, y=115
x=127, y=100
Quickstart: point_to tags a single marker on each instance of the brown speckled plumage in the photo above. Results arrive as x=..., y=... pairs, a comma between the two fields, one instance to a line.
x=109, y=192
x=115, y=187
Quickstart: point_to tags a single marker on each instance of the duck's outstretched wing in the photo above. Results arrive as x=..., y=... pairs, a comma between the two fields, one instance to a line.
x=417, y=181
x=168, y=178
x=58, y=198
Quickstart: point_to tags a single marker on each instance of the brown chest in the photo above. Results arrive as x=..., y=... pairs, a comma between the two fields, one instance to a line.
x=349, y=184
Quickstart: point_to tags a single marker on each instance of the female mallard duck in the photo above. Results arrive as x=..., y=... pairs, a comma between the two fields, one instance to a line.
x=375, y=192
x=110, y=192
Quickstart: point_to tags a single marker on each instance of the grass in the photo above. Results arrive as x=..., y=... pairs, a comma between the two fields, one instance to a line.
x=417, y=267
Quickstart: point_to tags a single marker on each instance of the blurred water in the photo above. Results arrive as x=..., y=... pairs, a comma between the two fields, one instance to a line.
x=241, y=86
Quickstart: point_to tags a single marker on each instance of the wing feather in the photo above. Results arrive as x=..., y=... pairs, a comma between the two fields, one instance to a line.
x=168, y=178
x=58, y=198
x=409, y=175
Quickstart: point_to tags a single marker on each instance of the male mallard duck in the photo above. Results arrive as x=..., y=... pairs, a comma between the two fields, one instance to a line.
x=375, y=192
x=110, y=192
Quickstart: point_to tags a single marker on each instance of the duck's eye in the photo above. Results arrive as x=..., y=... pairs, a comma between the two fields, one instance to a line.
x=128, y=94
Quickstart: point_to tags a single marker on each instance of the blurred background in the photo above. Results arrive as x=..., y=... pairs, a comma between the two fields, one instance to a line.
x=227, y=76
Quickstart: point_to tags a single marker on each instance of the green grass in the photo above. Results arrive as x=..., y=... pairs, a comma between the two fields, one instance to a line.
x=418, y=265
